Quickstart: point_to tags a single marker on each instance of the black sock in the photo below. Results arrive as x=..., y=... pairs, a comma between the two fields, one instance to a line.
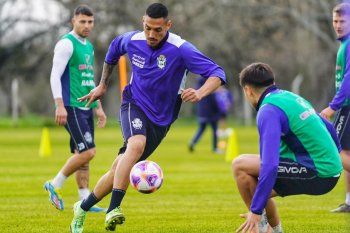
x=117, y=197
x=89, y=202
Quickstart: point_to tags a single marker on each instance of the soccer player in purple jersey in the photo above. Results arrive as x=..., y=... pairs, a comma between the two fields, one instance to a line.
x=151, y=101
x=341, y=101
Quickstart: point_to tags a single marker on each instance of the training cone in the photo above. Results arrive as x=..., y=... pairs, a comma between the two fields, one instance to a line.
x=232, y=147
x=45, y=143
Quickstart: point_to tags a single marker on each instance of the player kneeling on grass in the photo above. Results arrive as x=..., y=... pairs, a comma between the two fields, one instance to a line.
x=299, y=150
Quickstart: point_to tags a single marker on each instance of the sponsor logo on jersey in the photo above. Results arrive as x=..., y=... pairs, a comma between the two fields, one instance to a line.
x=85, y=67
x=337, y=67
x=137, y=123
x=87, y=75
x=292, y=170
x=340, y=124
x=304, y=115
x=87, y=83
x=138, y=61
x=161, y=61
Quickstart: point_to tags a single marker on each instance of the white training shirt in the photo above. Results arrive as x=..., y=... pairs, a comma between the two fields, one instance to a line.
x=62, y=53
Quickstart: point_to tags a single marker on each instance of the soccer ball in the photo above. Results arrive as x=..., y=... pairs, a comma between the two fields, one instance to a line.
x=146, y=176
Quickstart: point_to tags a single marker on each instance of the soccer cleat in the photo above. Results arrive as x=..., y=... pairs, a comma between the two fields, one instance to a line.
x=77, y=224
x=54, y=195
x=97, y=209
x=113, y=218
x=343, y=208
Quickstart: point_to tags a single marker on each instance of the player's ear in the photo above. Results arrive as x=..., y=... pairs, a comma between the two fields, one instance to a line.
x=169, y=24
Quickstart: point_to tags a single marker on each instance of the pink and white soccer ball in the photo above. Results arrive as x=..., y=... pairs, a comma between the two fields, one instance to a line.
x=146, y=176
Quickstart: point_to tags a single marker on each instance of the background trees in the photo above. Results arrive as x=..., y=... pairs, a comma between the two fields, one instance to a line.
x=294, y=36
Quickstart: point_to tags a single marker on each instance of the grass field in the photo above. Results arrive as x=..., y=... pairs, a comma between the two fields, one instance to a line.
x=198, y=194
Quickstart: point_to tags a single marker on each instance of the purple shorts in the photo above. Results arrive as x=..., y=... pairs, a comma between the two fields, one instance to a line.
x=133, y=122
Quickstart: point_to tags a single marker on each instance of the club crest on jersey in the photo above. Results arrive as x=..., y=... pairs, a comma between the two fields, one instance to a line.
x=87, y=58
x=161, y=61
x=137, y=123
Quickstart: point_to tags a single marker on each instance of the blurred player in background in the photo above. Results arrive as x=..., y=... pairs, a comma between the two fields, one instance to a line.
x=151, y=101
x=299, y=150
x=224, y=99
x=72, y=76
x=341, y=100
x=208, y=112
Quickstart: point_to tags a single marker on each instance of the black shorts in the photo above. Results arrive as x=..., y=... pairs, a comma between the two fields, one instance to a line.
x=80, y=126
x=294, y=178
x=134, y=121
x=342, y=127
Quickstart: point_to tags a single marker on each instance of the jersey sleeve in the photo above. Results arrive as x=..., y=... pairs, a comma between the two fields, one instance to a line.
x=269, y=121
x=198, y=63
x=343, y=93
x=62, y=53
x=118, y=47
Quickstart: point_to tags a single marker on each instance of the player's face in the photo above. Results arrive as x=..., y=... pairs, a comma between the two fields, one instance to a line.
x=155, y=29
x=83, y=24
x=249, y=95
x=341, y=25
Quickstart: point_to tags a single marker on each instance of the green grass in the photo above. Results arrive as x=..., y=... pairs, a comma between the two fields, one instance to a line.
x=198, y=194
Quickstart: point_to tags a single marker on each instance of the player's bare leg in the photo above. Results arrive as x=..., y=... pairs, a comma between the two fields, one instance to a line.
x=134, y=150
x=345, y=207
x=245, y=171
x=72, y=165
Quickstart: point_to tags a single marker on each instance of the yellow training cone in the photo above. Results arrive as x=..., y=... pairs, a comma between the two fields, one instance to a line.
x=45, y=143
x=232, y=147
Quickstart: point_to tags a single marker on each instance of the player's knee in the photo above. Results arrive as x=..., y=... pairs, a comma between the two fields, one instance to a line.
x=238, y=165
x=89, y=154
x=137, y=146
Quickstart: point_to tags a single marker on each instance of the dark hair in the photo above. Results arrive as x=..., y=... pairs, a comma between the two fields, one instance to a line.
x=157, y=10
x=257, y=74
x=84, y=10
x=342, y=9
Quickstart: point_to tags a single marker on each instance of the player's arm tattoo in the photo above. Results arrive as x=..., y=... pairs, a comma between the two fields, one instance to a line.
x=106, y=73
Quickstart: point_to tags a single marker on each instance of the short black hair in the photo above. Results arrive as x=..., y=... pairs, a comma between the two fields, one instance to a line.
x=157, y=10
x=83, y=10
x=257, y=74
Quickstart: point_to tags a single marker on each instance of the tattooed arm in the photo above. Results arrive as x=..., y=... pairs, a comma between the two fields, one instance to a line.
x=99, y=91
x=106, y=74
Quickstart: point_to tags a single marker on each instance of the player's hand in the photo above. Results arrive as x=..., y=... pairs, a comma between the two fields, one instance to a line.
x=190, y=95
x=61, y=115
x=251, y=223
x=327, y=113
x=94, y=94
x=101, y=117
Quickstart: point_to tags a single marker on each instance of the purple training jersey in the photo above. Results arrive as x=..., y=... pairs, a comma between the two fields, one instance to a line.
x=159, y=75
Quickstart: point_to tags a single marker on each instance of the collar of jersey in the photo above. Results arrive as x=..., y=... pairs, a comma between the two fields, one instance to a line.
x=267, y=91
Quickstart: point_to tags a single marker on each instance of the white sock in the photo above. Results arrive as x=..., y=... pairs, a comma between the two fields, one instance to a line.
x=347, y=199
x=59, y=179
x=83, y=193
x=277, y=229
x=263, y=224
